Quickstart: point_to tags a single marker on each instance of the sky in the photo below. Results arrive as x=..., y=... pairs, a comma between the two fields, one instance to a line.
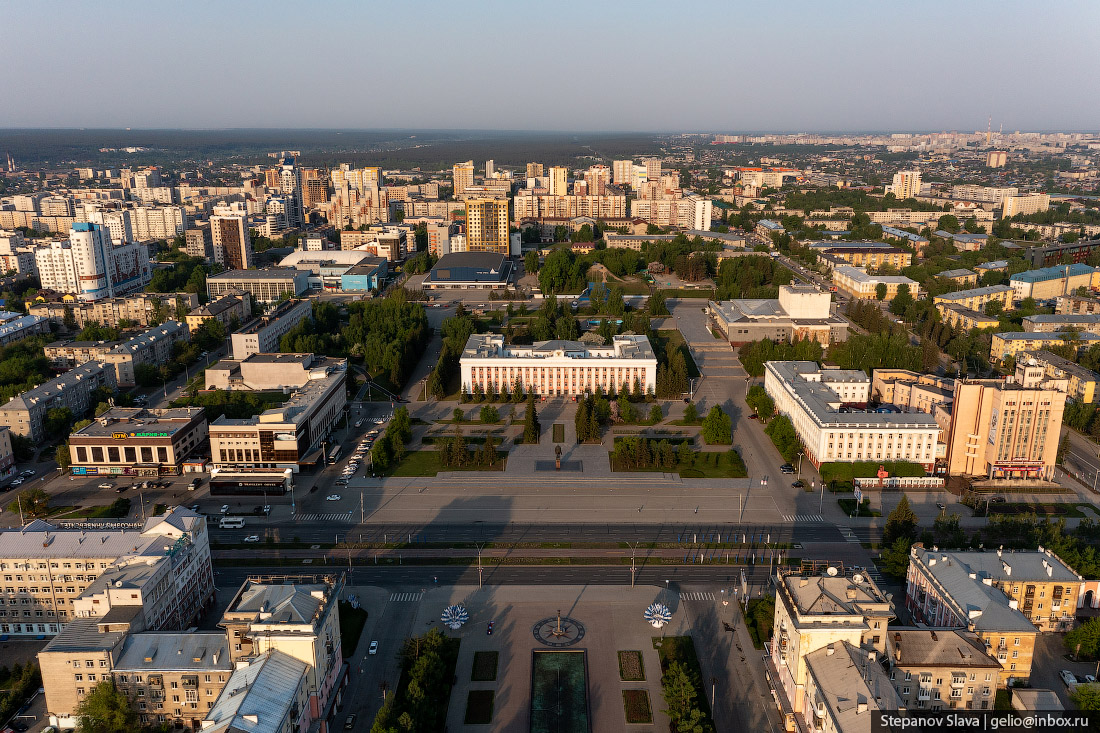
x=584, y=65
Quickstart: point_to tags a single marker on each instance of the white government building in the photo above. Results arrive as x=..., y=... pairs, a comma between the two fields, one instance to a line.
x=558, y=367
x=826, y=407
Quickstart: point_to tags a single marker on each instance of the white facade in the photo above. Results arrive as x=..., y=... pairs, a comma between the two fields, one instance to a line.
x=906, y=184
x=812, y=397
x=621, y=172
x=164, y=222
x=88, y=266
x=558, y=367
x=1032, y=203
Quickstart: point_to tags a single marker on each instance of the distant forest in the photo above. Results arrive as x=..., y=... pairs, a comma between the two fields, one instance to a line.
x=427, y=149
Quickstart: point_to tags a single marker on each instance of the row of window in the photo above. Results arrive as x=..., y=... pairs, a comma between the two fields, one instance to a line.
x=94, y=454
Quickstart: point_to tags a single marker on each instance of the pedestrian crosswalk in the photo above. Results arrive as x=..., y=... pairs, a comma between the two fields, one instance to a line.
x=333, y=517
x=849, y=535
x=405, y=597
x=697, y=596
x=874, y=574
x=803, y=518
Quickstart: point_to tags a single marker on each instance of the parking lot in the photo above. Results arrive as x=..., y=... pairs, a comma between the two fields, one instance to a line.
x=1049, y=660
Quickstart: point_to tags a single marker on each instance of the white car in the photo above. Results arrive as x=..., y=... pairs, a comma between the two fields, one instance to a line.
x=252, y=538
x=332, y=497
x=27, y=472
x=106, y=485
x=358, y=423
x=225, y=509
x=1068, y=678
x=17, y=482
x=373, y=649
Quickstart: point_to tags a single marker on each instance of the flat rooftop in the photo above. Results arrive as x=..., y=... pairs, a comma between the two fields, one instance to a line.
x=270, y=273
x=924, y=647
x=173, y=652
x=140, y=422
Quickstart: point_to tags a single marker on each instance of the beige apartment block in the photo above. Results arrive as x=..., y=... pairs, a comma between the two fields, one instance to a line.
x=942, y=669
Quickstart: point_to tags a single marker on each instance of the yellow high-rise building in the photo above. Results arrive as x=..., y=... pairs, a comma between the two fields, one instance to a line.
x=463, y=176
x=559, y=177
x=487, y=225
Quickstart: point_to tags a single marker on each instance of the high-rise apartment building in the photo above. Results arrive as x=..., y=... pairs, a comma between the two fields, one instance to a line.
x=117, y=222
x=231, y=242
x=148, y=178
x=197, y=242
x=463, y=174
x=906, y=184
x=621, y=172
x=290, y=184
x=89, y=266
x=490, y=169
x=1003, y=429
x=559, y=177
x=487, y=225
x=534, y=170
x=598, y=178
x=1031, y=203
x=652, y=168
x=996, y=159
x=314, y=191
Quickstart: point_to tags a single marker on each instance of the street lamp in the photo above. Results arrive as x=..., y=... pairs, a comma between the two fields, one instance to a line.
x=799, y=477
x=479, y=546
x=633, y=546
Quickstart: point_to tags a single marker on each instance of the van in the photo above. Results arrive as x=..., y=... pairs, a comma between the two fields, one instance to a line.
x=231, y=522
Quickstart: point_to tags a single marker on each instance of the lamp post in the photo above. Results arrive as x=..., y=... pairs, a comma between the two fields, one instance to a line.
x=821, y=501
x=479, y=546
x=799, y=477
x=633, y=547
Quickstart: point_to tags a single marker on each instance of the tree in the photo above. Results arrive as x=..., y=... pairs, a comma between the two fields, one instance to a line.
x=106, y=709
x=902, y=301
x=58, y=421
x=489, y=415
x=67, y=317
x=531, y=262
x=1063, y=448
x=717, y=427
x=656, y=305
x=62, y=456
x=33, y=503
x=994, y=308
x=1086, y=697
x=655, y=414
x=458, y=415
x=900, y=524
x=880, y=291
x=530, y=422
x=948, y=223
x=895, y=558
x=1084, y=641
x=691, y=413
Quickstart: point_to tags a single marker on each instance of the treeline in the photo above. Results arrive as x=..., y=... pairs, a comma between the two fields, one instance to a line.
x=869, y=316
x=455, y=452
x=427, y=670
x=634, y=452
x=876, y=351
x=319, y=334
x=187, y=275
x=389, y=333
x=234, y=404
x=753, y=354
x=456, y=331
x=750, y=277
x=23, y=365
x=389, y=449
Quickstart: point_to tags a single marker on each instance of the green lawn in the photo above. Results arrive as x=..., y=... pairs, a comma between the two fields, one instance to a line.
x=865, y=510
x=559, y=432
x=117, y=510
x=758, y=620
x=479, y=707
x=485, y=667
x=427, y=463
x=681, y=649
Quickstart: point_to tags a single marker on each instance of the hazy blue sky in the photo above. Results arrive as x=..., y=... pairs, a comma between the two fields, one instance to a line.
x=552, y=65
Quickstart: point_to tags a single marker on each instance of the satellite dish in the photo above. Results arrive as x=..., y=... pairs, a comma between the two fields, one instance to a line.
x=889, y=596
x=857, y=578
x=831, y=571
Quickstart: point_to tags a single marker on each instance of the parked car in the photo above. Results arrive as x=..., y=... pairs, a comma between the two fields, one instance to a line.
x=373, y=649
x=1068, y=678
x=341, y=482
x=798, y=485
x=252, y=538
x=752, y=416
x=225, y=509
x=27, y=472
x=349, y=722
x=17, y=482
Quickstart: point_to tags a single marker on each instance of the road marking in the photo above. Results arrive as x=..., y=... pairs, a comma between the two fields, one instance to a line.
x=697, y=596
x=405, y=597
x=803, y=518
x=344, y=517
x=849, y=535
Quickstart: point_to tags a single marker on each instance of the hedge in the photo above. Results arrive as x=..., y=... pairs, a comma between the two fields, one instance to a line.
x=843, y=473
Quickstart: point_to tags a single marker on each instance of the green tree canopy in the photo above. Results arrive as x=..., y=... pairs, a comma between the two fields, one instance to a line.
x=106, y=709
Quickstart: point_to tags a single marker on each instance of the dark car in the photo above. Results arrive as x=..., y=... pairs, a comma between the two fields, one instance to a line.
x=489, y=629
x=752, y=416
x=798, y=484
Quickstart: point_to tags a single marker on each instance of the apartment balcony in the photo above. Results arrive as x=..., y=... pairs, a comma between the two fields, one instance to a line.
x=924, y=693
x=958, y=682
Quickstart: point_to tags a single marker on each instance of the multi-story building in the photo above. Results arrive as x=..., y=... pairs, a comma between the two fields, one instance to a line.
x=559, y=181
x=117, y=222
x=290, y=186
x=439, y=238
x=906, y=185
x=528, y=205
x=52, y=574
x=261, y=336
x=688, y=211
x=819, y=618
x=1076, y=304
x=390, y=242
x=25, y=413
x=487, y=225
x=986, y=194
x=462, y=176
x=558, y=367
x=314, y=191
x=996, y=158
x=825, y=407
x=534, y=170
x=298, y=616
x=134, y=441
x=17, y=328
x=231, y=242
x=232, y=306
x=1010, y=344
x=976, y=298
x=142, y=309
x=856, y=282
x=265, y=286
x=1002, y=429
x=161, y=222
x=966, y=319
x=152, y=347
x=1082, y=385
x=864, y=254
x=1006, y=598
x=960, y=276
x=800, y=312
x=7, y=455
x=1054, y=322
x=271, y=688
x=88, y=266
x=910, y=391
x=1048, y=283
x=198, y=242
x=1032, y=203
x=286, y=435
x=937, y=669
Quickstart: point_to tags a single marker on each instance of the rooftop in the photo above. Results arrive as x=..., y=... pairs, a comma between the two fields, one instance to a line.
x=974, y=292
x=270, y=273
x=994, y=265
x=835, y=595
x=488, y=267
x=1053, y=273
x=852, y=684
x=47, y=390
x=961, y=272
x=859, y=275
x=806, y=381
x=1044, y=336
x=923, y=647
x=626, y=346
x=140, y=422
x=260, y=697
x=84, y=635
x=175, y=652
x=1062, y=364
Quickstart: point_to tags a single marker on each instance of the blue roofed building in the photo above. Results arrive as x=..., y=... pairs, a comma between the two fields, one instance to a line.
x=1047, y=283
x=470, y=271
x=367, y=275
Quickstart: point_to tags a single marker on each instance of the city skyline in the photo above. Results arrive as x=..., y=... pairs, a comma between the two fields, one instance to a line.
x=799, y=67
